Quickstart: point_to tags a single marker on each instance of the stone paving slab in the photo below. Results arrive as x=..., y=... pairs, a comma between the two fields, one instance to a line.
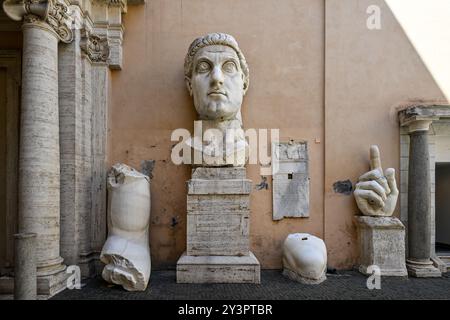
x=274, y=286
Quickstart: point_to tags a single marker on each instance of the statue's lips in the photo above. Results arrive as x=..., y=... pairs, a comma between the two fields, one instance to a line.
x=217, y=93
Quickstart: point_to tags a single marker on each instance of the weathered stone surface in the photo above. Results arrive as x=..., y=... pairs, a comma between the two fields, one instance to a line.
x=39, y=153
x=217, y=246
x=83, y=120
x=212, y=235
x=422, y=270
x=126, y=252
x=423, y=112
x=419, y=262
x=25, y=267
x=209, y=173
x=99, y=170
x=229, y=186
x=58, y=95
x=376, y=192
x=381, y=243
x=304, y=258
x=290, y=180
x=218, y=269
x=218, y=216
x=218, y=98
x=218, y=204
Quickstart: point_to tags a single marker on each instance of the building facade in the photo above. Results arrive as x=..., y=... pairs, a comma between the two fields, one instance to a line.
x=89, y=83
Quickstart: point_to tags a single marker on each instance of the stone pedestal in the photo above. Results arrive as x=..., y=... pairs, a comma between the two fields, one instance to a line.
x=381, y=243
x=218, y=210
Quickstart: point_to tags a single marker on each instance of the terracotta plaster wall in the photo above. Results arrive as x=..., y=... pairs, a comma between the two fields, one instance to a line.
x=368, y=74
x=283, y=42
x=317, y=74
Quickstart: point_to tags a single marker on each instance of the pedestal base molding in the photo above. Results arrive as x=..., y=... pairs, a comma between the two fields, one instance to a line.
x=218, y=269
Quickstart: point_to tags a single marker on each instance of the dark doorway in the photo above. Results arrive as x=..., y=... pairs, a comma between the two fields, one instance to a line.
x=9, y=143
x=443, y=209
x=3, y=164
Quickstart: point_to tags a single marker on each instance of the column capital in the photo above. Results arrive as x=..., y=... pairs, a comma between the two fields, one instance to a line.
x=419, y=125
x=53, y=13
x=418, y=117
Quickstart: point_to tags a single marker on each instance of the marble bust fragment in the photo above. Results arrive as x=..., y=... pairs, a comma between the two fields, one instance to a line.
x=304, y=258
x=217, y=77
x=126, y=252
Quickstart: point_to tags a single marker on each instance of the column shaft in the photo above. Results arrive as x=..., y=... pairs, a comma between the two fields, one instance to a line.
x=39, y=168
x=419, y=201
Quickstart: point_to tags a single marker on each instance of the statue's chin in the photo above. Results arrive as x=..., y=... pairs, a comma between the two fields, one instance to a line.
x=217, y=111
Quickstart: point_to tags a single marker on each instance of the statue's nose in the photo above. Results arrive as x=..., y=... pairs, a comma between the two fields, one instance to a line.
x=217, y=77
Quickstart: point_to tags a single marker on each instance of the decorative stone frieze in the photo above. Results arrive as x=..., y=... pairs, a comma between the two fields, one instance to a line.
x=94, y=46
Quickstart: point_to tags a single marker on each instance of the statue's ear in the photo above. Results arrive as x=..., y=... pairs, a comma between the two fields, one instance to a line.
x=188, y=85
x=244, y=84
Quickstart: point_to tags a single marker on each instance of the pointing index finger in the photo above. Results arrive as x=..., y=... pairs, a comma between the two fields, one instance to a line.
x=375, y=160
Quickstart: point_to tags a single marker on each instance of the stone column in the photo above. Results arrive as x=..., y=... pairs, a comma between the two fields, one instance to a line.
x=419, y=202
x=39, y=160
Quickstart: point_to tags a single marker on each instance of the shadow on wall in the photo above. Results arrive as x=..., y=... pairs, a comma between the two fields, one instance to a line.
x=372, y=67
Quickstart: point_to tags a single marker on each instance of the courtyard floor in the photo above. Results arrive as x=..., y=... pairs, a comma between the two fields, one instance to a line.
x=274, y=286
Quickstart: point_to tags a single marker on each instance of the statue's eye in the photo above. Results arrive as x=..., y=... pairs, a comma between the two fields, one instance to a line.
x=229, y=67
x=203, y=66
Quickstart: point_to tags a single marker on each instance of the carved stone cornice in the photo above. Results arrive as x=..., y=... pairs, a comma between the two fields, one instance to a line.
x=94, y=46
x=54, y=13
x=122, y=3
x=423, y=112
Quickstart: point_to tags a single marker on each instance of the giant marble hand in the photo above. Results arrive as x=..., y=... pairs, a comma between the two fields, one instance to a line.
x=376, y=192
x=217, y=77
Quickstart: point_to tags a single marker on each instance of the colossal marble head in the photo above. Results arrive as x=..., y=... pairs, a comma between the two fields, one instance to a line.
x=217, y=76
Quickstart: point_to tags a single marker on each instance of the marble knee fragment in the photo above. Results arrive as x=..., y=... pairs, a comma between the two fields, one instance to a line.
x=304, y=258
x=126, y=252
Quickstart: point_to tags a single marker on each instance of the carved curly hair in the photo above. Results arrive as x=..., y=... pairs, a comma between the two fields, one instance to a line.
x=215, y=39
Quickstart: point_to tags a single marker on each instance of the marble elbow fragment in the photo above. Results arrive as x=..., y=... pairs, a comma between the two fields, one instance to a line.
x=126, y=252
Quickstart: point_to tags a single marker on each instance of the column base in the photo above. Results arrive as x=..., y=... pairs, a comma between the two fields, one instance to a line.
x=439, y=263
x=90, y=265
x=218, y=269
x=47, y=286
x=422, y=269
